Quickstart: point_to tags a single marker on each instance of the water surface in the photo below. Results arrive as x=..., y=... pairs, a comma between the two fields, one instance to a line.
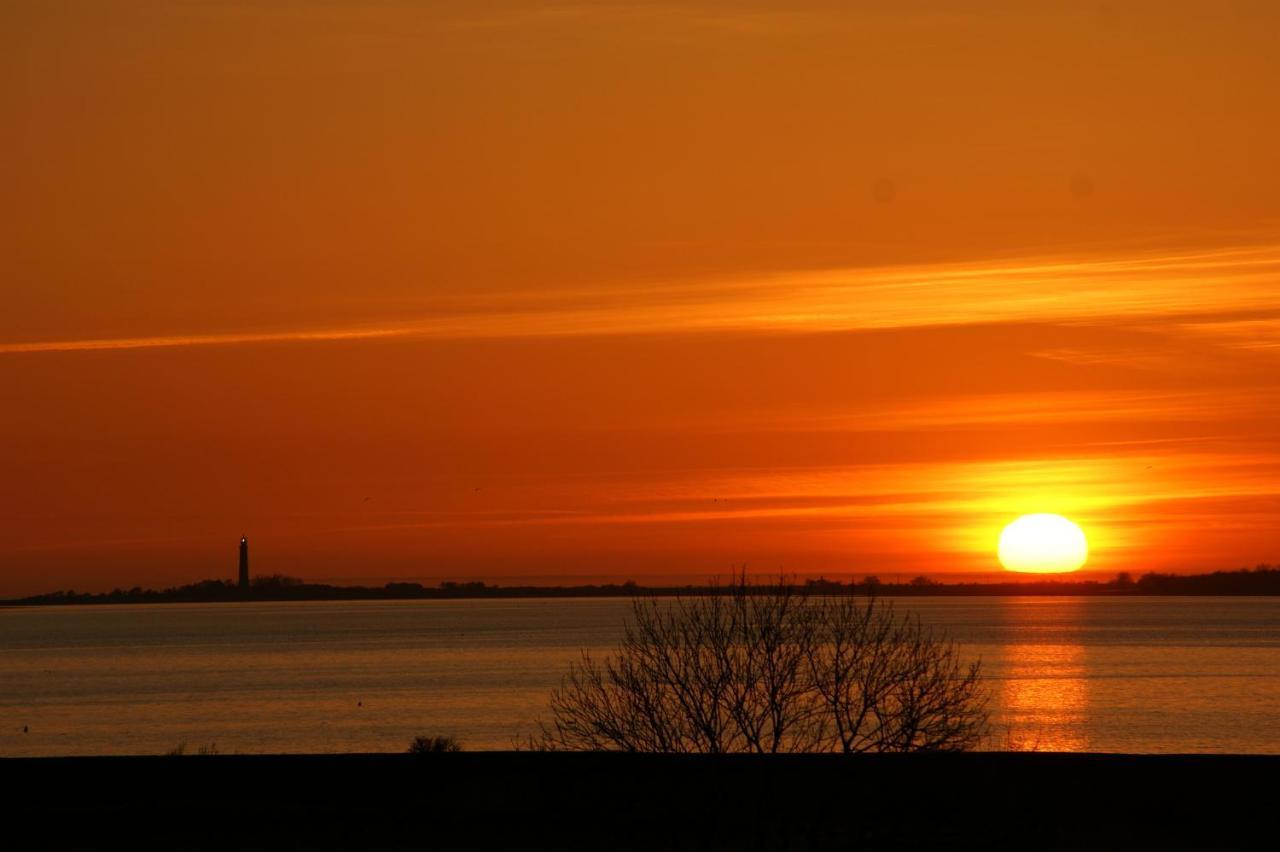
x=1094, y=674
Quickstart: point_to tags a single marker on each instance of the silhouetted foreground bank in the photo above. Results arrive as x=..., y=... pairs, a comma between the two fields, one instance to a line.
x=498, y=800
x=1262, y=580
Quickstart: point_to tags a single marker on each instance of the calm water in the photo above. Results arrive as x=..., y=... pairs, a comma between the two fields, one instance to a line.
x=1133, y=674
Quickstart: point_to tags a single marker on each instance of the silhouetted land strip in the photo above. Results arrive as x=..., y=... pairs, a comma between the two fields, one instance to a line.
x=579, y=801
x=1262, y=580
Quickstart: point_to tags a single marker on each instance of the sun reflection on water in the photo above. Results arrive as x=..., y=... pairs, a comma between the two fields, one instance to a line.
x=1042, y=696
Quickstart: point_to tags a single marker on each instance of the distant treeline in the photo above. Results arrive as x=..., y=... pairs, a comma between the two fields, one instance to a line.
x=1262, y=580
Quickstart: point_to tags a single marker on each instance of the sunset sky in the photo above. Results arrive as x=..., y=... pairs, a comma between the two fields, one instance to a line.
x=500, y=290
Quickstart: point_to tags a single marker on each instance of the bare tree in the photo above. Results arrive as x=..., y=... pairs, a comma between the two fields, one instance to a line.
x=766, y=670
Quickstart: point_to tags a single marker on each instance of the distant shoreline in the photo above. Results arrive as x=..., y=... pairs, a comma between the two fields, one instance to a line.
x=1260, y=581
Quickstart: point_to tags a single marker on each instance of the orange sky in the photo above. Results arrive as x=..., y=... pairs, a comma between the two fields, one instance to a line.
x=498, y=289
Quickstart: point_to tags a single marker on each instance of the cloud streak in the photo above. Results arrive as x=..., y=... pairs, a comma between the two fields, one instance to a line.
x=1034, y=290
x=172, y=341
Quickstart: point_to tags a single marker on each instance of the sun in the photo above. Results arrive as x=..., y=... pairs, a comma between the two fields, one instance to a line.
x=1043, y=544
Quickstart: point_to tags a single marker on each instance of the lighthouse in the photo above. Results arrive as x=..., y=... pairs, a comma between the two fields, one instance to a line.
x=244, y=563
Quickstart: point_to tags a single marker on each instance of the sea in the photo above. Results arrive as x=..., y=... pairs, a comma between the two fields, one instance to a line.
x=1094, y=674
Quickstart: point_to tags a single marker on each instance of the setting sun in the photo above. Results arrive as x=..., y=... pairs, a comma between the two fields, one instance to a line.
x=1043, y=544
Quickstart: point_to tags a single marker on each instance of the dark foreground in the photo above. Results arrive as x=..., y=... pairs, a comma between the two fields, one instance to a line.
x=640, y=802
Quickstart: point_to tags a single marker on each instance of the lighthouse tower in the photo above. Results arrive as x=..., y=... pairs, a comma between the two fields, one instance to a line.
x=244, y=563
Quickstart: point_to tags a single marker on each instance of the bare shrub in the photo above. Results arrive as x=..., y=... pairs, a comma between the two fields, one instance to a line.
x=433, y=745
x=766, y=670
